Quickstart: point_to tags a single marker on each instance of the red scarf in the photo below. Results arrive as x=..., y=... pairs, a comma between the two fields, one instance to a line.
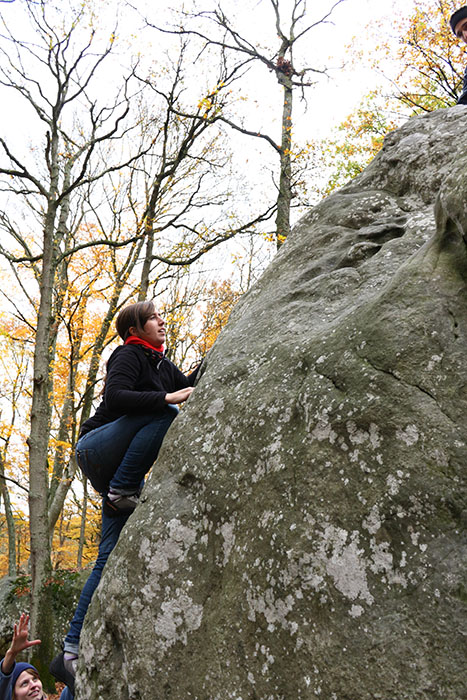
x=134, y=340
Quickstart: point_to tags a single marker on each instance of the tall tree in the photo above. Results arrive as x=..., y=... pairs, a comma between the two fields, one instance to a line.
x=51, y=73
x=216, y=29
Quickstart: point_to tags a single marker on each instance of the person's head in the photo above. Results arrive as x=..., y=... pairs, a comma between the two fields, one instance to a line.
x=26, y=683
x=458, y=23
x=143, y=320
x=134, y=317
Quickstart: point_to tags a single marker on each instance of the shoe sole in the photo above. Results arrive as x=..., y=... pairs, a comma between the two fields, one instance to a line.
x=113, y=511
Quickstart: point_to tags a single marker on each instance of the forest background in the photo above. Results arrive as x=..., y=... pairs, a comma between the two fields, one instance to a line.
x=165, y=154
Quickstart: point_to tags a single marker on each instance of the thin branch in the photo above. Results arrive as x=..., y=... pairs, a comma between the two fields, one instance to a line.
x=13, y=481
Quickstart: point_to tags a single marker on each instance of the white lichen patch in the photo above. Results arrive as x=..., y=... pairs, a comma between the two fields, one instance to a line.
x=372, y=522
x=323, y=429
x=227, y=531
x=349, y=561
x=409, y=435
x=149, y=592
x=271, y=460
x=393, y=484
x=356, y=611
x=337, y=558
x=346, y=565
x=358, y=436
x=433, y=361
x=274, y=609
x=215, y=407
x=179, y=616
x=158, y=553
x=208, y=442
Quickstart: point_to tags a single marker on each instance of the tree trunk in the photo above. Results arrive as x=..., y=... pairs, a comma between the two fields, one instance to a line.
x=41, y=609
x=146, y=270
x=284, y=197
x=10, y=521
x=82, y=531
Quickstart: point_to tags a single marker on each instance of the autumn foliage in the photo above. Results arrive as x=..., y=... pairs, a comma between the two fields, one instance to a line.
x=421, y=65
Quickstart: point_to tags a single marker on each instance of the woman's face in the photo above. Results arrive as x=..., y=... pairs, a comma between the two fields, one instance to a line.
x=153, y=331
x=28, y=687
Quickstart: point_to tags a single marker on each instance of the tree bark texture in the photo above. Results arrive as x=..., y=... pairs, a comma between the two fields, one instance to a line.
x=284, y=197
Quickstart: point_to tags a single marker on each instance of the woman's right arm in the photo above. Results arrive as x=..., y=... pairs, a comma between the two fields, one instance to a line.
x=19, y=643
x=123, y=373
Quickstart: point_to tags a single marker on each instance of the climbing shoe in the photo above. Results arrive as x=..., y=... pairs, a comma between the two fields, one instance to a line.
x=64, y=670
x=116, y=504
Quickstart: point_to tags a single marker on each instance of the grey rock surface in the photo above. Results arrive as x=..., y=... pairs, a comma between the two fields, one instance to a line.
x=301, y=534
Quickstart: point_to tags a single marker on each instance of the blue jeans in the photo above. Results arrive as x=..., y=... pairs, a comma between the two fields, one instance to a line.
x=116, y=455
x=120, y=454
x=111, y=529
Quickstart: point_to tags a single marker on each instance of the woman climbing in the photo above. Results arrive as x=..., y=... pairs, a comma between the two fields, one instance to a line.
x=118, y=445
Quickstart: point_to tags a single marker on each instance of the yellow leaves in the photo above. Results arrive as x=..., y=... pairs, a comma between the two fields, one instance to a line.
x=21, y=545
x=422, y=56
x=205, y=103
x=65, y=541
x=209, y=103
x=60, y=444
x=66, y=537
x=6, y=431
x=358, y=139
x=222, y=297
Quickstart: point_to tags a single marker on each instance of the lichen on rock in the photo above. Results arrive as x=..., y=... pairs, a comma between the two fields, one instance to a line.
x=301, y=533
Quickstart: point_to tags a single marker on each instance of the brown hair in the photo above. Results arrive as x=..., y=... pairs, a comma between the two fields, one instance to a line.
x=134, y=315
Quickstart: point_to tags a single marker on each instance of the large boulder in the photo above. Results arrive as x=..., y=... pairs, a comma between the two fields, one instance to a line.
x=301, y=533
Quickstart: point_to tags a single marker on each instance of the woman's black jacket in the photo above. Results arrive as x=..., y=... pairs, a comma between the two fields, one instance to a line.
x=137, y=381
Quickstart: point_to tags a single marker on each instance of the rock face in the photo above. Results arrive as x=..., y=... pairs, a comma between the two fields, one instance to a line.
x=301, y=533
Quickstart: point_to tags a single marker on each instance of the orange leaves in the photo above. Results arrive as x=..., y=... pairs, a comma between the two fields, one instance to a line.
x=209, y=104
x=222, y=297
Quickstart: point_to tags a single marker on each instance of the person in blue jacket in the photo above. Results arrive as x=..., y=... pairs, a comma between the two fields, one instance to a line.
x=118, y=445
x=458, y=22
x=20, y=680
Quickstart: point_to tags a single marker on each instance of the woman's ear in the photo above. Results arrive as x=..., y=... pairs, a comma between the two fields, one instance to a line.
x=132, y=331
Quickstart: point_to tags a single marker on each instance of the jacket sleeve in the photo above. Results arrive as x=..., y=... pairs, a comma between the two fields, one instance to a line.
x=463, y=98
x=180, y=380
x=194, y=375
x=121, y=395
x=5, y=684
